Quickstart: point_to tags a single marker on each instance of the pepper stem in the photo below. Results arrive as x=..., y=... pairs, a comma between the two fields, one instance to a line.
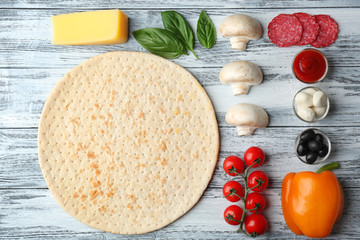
x=330, y=166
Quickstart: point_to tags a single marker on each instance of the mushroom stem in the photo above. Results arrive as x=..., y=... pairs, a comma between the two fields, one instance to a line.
x=245, y=131
x=246, y=117
x=240, y=88
x=241, y=75
x=239, y=43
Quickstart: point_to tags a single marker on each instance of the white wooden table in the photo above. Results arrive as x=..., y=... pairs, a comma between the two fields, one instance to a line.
x=30, y=67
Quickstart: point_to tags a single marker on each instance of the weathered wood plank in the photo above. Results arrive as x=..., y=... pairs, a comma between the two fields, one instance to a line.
x=30, y=66
x=94, y=4
x=20, y=167
x=33, y=213
x=26, y=40
x=23, y=93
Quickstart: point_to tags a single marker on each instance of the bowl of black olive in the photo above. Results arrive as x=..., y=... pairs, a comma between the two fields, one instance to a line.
x=312, y=146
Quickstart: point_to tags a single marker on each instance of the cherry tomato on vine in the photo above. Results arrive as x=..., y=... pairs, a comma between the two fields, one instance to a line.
x=258, y=178
x=252, y=154
x=233, y=191
x=232, y=213
x=255, y=224
x=255, y=200
x=233, y=165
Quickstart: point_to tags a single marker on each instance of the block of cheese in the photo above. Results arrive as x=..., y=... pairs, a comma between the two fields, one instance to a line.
x=90, y=28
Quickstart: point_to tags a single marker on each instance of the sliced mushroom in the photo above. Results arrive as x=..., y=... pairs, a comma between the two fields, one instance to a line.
x=240, y=29
x=246, y=117
x=241, y=75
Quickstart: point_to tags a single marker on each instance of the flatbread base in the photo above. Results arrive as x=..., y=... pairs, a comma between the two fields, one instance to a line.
x=128, y=142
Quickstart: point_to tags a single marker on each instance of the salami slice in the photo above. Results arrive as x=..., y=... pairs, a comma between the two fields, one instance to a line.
x=310, y=28
x=327, y=33
x=285, y=30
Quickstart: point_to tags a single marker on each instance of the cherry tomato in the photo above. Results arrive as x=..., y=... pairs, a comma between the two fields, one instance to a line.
x=254, y=200
x=252, y=154
x=255, y=224
x=233, y=165
x=257, y=177
x=233, y=191
x=232, y=213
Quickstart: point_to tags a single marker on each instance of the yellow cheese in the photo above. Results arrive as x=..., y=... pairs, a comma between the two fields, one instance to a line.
x=90, y=28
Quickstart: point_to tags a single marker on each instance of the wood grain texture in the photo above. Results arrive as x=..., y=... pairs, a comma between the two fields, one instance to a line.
x=26, y=40
x=30, y=67
x=204, y=221
x=140, y=4
x=20, y=167
x=23, y=94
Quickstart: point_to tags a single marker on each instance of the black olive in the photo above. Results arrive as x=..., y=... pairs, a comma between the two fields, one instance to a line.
x=311, y=157
x=319, y=137
x=307, y=135
x=301, y=149
x=314, y=146
x=301, y=141
x=324, y=151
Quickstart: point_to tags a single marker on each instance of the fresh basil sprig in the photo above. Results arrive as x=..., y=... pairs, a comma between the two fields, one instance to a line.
x=160, y=42
x=177, y=37
x=177, y=24
x=206, y=32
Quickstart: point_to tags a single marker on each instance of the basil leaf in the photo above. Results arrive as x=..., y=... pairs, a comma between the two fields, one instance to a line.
x=177, y=24
x=160, y=42
x=206, y=32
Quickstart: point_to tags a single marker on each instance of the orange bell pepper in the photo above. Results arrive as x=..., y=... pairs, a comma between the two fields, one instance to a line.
x=312, y=202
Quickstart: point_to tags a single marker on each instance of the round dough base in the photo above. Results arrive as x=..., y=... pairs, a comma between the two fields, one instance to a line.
x=128, y=142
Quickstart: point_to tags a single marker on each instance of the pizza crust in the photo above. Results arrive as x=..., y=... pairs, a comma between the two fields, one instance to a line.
x=128, y=142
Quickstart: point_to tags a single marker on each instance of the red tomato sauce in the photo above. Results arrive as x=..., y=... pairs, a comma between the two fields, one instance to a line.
x=310, y=66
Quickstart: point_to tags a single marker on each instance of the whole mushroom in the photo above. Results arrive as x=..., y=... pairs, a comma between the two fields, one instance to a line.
x=240, y=29
x=246, y=117
x=241, y=75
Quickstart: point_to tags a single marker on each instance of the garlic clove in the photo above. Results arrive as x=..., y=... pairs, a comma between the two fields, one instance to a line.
x=306, y=113
x=303, y=99
x=319, y=99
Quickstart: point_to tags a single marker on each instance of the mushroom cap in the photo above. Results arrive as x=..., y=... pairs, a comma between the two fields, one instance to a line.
x=241, y=72
x=247, y=116
x=241, y=25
